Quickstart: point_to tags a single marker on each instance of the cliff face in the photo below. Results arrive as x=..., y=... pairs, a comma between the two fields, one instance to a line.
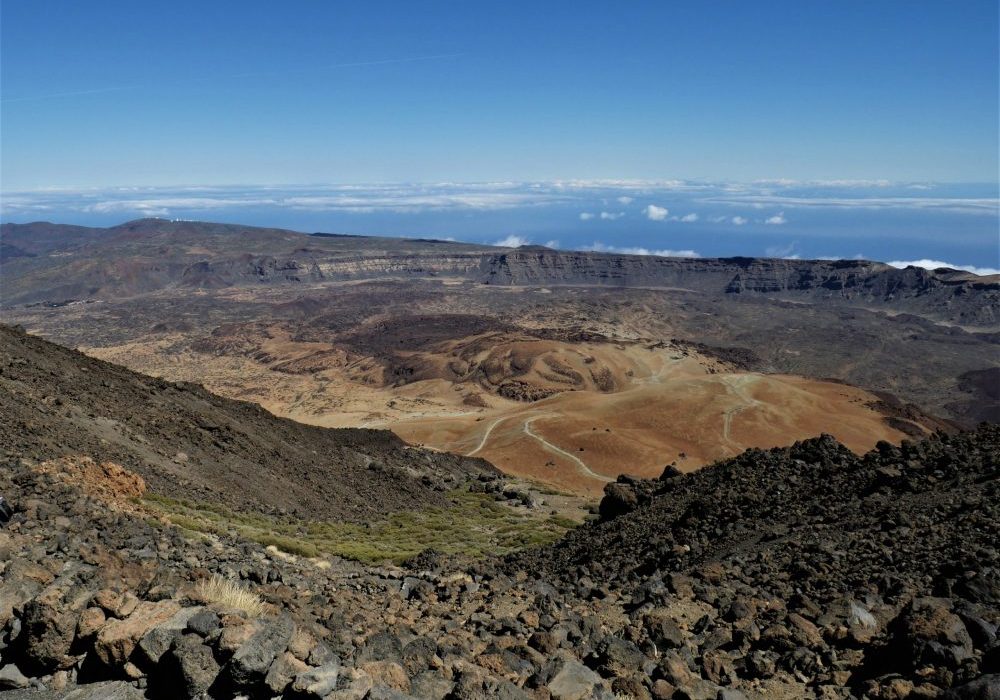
x=586, y=268
x=946, y=295
x=58, y=263
x=363, y=266
x=729, y=275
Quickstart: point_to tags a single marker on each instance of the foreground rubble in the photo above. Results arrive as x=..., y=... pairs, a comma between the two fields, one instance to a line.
x=796, y=573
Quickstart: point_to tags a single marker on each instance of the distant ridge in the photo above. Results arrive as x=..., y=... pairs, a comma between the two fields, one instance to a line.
x=45, y=262
x=320, y=234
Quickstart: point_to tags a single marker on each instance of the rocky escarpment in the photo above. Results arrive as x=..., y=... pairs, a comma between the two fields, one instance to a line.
x=946, y=294
x=745, y=583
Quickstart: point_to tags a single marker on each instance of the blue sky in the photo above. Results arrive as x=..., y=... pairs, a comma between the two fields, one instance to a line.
x=97, y=96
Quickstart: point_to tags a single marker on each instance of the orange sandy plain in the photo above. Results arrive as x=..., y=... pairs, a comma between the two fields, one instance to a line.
x=667, y=406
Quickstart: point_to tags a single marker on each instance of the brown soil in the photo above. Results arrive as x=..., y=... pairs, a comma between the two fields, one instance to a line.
x=686, y=417
x=107, y=481
x=633, y=407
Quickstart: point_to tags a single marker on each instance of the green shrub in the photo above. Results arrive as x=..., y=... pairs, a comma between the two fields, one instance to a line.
x=474, y=525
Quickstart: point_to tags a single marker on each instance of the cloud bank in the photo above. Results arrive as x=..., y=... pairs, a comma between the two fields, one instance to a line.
x=962, y=205
x=490, y=196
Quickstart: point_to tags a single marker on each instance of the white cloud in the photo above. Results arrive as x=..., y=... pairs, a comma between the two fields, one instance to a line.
x=780, y=181
x=655, y=213
x=612, y=216
x=934, y=264
x=164, y=204
x=512, y=241
x=776, y=220
x=407, y=202
x=407, y=198
x=689, y=218
x=397, y=198
x=552, y=244
x=848, y=184
x=629, y=185
x=738, y=220
x=782, y=251
x=599, y=247
x=856, y=256
x=586, y=216
x=852, y=183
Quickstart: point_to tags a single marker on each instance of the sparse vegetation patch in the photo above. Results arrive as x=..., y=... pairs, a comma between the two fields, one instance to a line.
x=473, y=523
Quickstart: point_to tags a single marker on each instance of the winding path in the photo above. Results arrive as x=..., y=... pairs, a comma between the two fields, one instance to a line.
x=555, y=448
x=486, y=435
x=736, y=386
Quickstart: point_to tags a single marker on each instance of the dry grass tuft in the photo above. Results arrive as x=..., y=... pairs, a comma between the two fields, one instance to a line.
x=230, y=594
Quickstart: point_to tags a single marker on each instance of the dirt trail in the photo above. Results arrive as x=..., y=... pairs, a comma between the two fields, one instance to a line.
x=737, y=385
x=675, y=405
x=555, y=448
x=486, y=435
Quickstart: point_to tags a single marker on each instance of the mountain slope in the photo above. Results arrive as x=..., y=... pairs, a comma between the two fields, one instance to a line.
x=188, y=443
x=793, y=506
x=877, y=573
